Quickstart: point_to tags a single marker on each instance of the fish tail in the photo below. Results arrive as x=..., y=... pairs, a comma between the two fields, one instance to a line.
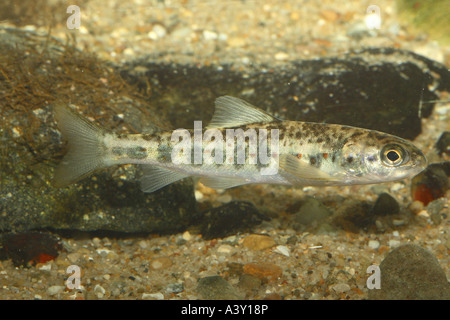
x=86, y=147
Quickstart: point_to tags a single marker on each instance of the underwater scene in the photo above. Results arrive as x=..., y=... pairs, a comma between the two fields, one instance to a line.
x=224, y=150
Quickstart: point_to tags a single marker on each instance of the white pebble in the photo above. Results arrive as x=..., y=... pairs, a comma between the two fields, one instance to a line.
x=198, y=195
x=224, y=248
x=282, y=250
x=281, y=56
x=209, y=35
x=374, y=244
x=394, y=243
x=186, y=236
x=157, y=32
x=157, y=296
x=99, y=291
x=53, y=290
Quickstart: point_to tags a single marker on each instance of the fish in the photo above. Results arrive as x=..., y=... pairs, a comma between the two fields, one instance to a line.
x=241, y=145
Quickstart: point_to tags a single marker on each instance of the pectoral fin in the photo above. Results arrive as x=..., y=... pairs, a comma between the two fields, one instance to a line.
x=303, y=170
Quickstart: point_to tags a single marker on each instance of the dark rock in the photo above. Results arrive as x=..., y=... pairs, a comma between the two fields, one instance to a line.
x=412, y=273
x=29, y=248
x=229, y=219
x=385, y=205
x=216, y=288
x=31, y=146
x=354, y=216
x=377, y=88
x=432, y=183
x=443, y=143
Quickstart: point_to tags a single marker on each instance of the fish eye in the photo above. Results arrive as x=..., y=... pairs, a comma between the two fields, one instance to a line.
x=393, y=155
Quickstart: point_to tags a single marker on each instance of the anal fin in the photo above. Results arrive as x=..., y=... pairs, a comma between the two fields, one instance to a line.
x=222, y=182
x=154, y=178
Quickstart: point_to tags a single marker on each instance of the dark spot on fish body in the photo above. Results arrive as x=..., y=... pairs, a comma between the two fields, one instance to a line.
x=136, y=152
x=298, y=135
x=117, y=151
x=150, y=137
x=314, y=161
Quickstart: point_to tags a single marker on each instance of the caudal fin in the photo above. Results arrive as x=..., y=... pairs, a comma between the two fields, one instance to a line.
x=85, y=141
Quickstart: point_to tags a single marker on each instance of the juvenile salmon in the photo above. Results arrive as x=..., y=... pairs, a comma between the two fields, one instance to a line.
x=241, y=145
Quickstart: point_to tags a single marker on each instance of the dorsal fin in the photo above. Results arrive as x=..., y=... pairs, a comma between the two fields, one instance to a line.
x=235, y=112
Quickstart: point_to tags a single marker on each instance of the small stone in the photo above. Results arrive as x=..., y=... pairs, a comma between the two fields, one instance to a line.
x=374, y=244
x=394, y=243
x=224, y=248
x=143, y=244
x=216, y=288
x=54, y=290
x=230, y=218
x=174, y=288
x=386, y=205
x=443, y=143
x=73, y=257
x=157, y=32
x=340, y=287
x=410, y=272
x=265, y=271
x=209, y=35
x=99, y=291
x=186, y=236
x=432, y=183
x=281, y=56
x=161, y=263
x=311, y=211
x=249, y=282
x=282, y=250
x=258, y=242
x=198, y=195
x=153, y=296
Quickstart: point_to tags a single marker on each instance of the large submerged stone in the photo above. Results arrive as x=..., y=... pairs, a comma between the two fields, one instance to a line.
x=379, y=88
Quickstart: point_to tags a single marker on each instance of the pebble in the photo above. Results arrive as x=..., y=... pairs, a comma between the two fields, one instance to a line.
x=340, y=287
x=216, y=288
x=99, y=291
x=153, y=296
x=281, y=56
x=53, y=290
x=249, y=282
x=174, y=288
x=73, y=257
x=265, y=271
x=186, y=236
x=374, y=244
x=224, y=248
x=385, y=205
x=161, y=263
x=410, y=272
x=443, y=143
x=311, y=211
x=258, y=242
x=393, y=243
x=282, y=250
x=157, y=32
